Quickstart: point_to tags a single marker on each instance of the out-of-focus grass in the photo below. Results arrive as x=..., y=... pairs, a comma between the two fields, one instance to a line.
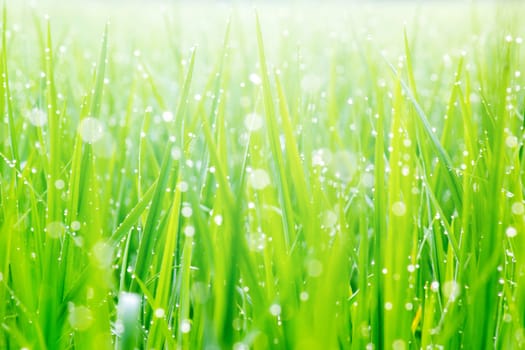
x=304, y=177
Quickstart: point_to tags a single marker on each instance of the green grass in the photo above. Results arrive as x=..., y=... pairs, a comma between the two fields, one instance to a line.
x=296, y=177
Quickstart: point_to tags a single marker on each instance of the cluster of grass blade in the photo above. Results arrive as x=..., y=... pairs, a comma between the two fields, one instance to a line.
x=341, y=197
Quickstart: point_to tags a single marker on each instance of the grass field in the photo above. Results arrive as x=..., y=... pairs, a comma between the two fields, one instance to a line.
x=299, y=176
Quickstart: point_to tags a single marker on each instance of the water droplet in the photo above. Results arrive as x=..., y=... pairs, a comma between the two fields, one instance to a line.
x=91, y=129
x=409, y=306
x=75, y=225
x=176, y=153
x=167, y=116
x=185, y=326
x=259, y=179
x=253, y=121
x=240, y=346
x=218, y=220
x=37, y=117
x=434, y=286
x=160, y=313
x=511, y=232
x=388, y=306
x=399, y=208
x=189, y=231
x=275, y=309
x=511, y=141
x=186, y=211
x=518, y=208
x=399, y=344
x=304, y=296
x=55, y=229
x=59, y=184
x=183, y=186
x=255, y=79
